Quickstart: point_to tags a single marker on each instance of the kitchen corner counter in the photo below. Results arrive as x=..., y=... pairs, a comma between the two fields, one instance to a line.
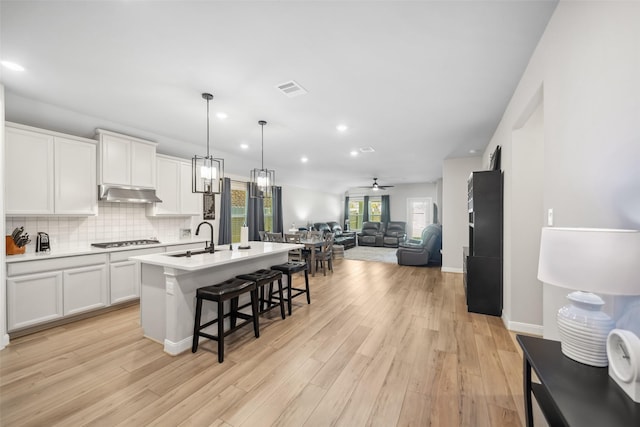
x=90, y=250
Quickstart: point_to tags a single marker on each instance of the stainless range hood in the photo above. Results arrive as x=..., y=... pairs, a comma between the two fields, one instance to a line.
x=110, y=193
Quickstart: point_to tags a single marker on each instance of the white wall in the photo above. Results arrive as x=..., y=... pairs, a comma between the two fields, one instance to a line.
x=588, y=64
x=455, y=224
x=439, y=184
x=4, y=337
x=523, y=225
x=301, y=206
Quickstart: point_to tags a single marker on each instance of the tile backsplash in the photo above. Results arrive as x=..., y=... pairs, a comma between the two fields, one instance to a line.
x=114, y=222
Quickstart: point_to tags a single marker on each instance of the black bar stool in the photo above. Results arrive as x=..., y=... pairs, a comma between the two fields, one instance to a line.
x=290, y=268
x=262, y=278
x=228, y=290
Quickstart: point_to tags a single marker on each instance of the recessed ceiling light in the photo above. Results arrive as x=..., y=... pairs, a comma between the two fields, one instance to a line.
x=304, y=160
x=354, y=153
x=342, y=128
x=244, y=146
x=221, y=115
x=12, y=66
x=473, y=151
x=367, y=149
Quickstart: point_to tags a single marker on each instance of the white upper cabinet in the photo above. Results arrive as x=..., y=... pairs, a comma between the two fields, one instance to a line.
x=190, y=203
x=168, y=190
x=28, y=172
x=75, y=178
x=174, y=189
x=49, y=173
x=115, y=160
x=126, y=161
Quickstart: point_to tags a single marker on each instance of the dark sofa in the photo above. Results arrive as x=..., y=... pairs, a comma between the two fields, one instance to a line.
x=344, y=238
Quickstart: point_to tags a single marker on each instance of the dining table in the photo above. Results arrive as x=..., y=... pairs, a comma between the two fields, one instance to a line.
x=311, y=244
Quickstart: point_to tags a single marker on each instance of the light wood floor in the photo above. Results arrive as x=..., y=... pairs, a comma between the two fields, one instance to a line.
x=379, y=345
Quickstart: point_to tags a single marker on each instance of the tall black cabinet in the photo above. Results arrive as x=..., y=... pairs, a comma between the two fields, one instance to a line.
x=483, y=263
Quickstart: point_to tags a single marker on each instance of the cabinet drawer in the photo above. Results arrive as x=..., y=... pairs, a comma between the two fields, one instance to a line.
x=38, y=266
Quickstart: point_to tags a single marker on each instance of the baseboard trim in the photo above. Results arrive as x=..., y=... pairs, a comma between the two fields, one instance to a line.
x=175, y=348
x=451, y=270
x=525, y=328
x=4, y=341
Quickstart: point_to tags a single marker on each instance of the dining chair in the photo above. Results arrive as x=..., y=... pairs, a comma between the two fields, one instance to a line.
x=324, y=257
x=263, y=236
x=275, y=237
x=294, y=254
x=314, y=234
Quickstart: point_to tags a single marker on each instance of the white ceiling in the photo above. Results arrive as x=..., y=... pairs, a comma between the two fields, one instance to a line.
x=419, y=81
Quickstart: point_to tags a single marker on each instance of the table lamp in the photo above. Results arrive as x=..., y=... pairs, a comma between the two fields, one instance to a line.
x=589, y=261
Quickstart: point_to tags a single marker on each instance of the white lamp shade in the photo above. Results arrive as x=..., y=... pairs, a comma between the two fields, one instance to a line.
x=590, y=259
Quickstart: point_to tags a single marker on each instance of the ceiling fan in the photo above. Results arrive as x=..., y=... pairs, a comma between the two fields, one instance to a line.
x=375, y=186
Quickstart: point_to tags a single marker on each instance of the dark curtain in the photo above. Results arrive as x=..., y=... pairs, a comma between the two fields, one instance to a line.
x=346, y=213
x=385, y=216
x=365, y=215
x=255, y=215
x=224, y=234
x=276, y=206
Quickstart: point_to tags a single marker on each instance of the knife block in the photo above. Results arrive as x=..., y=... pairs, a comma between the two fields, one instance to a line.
x=11, y=247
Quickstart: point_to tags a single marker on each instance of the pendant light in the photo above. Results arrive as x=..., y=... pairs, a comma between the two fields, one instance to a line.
x=207, y=172
x=262, y=180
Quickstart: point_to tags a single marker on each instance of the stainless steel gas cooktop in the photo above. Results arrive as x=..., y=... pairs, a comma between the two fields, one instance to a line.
x=106, y=245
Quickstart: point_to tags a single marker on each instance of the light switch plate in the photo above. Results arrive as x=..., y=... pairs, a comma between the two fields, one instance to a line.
x=550, y=217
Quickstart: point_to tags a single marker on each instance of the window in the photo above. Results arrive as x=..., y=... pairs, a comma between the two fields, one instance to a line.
x=375, y=210
x=356, y=211
x=238, y=209
x=268, y=214
x=419, y=216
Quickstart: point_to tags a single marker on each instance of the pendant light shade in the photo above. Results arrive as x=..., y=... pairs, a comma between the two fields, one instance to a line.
x=207, y=171
x=262, y=180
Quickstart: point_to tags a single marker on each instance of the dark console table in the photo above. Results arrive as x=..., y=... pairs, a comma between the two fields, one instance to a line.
x=571, y=393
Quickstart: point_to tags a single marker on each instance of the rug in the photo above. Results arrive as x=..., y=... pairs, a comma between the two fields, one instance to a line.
x=371, y=253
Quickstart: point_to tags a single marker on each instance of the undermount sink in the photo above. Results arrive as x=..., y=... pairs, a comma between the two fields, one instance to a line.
x=190, y=253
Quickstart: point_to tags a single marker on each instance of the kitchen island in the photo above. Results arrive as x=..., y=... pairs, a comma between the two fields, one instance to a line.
x=169, y=283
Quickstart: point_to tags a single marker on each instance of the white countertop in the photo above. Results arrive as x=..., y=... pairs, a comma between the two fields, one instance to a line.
x=221, y=256
x=90, y=250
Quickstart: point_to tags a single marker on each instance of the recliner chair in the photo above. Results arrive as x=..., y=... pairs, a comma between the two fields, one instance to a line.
x=371, y=234
x=394, y=234
x=425, y=251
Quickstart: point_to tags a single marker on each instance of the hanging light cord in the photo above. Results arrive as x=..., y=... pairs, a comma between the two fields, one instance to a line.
x=207, y=126
x=262, y=123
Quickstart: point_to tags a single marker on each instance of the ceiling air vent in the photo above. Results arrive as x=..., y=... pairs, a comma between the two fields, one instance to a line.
x=291, y=89
x=367, y=150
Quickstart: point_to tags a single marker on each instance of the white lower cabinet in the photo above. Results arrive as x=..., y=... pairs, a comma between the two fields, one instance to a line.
x=125, y=282
x=85, y=289
x=49, y=289
x=34, y=299
x=125, y=275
